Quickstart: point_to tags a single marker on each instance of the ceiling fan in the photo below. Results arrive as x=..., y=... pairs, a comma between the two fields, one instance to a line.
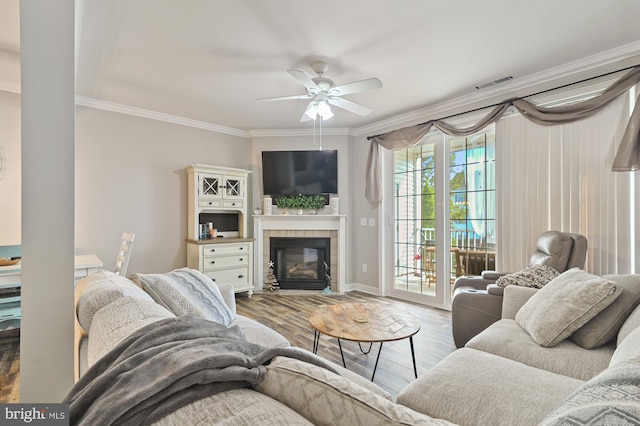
x=323, y=92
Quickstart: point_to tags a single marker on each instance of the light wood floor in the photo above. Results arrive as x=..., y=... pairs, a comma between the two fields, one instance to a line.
x=289, y=314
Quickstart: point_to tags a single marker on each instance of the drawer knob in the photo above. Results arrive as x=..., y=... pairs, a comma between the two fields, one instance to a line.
x=240, y=276
x=210, y=203
x=213, y=261
x=241, y=248
x=213, y=250
x=241, y=259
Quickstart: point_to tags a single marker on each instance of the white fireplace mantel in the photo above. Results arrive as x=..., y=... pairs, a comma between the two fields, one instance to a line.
x=281, y=222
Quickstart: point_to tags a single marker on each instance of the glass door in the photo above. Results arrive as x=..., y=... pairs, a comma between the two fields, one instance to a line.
x=443, y=215
x=414, y=202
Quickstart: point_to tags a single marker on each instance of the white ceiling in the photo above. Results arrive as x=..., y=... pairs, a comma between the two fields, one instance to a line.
x=207, y=60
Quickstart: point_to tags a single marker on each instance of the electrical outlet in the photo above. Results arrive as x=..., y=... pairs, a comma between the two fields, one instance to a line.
x=363, y=221
x=364, y=267
x=372, y=221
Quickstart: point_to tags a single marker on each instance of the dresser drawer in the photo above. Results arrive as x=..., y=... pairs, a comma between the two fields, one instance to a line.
x=234, y=276
x=211, y=262
x=232, y=203
x=224, y=249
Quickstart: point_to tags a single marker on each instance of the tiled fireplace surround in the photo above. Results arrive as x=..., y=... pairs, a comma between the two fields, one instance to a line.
x=301, y=226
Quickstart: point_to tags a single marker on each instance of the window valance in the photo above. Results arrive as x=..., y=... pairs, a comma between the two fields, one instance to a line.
x=627, y=157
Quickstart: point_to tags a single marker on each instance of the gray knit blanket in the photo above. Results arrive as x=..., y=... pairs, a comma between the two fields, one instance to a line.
x=166, y=365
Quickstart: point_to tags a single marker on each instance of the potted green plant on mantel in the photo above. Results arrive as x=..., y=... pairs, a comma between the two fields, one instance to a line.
x=301, y=203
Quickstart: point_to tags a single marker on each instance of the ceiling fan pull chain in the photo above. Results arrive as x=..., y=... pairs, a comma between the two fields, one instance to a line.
x=314, y=132
x=320, y=133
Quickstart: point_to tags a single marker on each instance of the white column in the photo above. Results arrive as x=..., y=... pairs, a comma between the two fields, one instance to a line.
x=48, y=123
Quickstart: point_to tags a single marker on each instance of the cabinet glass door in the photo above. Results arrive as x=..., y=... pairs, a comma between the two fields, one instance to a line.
x=233, y=188
x=210, y=186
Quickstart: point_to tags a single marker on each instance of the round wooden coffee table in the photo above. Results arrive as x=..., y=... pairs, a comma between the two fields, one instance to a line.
x=364, y=322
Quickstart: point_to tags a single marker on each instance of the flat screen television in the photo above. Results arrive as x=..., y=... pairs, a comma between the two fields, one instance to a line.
x=299, y=172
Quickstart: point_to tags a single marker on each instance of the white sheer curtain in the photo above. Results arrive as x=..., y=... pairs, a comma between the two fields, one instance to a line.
x=560, y=178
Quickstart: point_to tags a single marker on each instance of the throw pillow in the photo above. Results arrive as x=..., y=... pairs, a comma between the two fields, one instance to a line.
x=533, y=276
x=309, y=390
x=604, y=326
x=610, y=398
x=564, y=305
x=100, y=289
x=186, y=291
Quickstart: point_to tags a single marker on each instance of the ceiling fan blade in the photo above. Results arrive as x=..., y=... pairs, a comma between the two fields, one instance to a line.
x=304, y=118
x=285, y=98
x=349, y=106
x=357, y=86
x=306, y=81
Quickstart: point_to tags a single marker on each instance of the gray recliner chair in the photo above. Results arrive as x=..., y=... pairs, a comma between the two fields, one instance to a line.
x=477, y=300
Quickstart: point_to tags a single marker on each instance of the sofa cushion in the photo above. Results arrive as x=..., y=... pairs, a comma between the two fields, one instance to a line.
x=565, y=304
x=98, y=290
x=604, y=326
x=114, y=322
x=507, y=339
x=628, y=349
x=532, y=276
x=187, y=291
x=632, y=322
x=471, y=387
x=237, y=407
x=325, y=398
x=611, y=398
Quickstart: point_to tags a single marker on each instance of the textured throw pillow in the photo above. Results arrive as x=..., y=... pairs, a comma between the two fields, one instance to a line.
x=325, y=398
x=605, y=326
x=99, y=290
x=186, y=291
x=610, y=398
x=564, y=305
x=533, y=276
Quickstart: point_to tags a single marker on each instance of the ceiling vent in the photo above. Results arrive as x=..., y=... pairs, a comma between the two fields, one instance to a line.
x=494, y=82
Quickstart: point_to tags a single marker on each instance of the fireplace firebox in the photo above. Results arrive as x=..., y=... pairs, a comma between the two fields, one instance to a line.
x=301, y=263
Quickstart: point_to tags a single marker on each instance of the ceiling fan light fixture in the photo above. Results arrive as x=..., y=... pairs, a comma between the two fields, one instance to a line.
x=320, y=108
x=324, y=110
x=312, y=110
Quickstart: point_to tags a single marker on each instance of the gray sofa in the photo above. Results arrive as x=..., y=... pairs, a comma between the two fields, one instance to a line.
x=501, y=377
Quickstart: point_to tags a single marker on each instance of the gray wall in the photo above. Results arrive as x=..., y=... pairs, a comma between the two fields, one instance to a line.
x=365, y=238
x=130, y=176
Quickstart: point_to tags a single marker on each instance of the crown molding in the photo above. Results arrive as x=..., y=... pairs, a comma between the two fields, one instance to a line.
x=590, y=64
x=270, y=133
x=153, y=115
